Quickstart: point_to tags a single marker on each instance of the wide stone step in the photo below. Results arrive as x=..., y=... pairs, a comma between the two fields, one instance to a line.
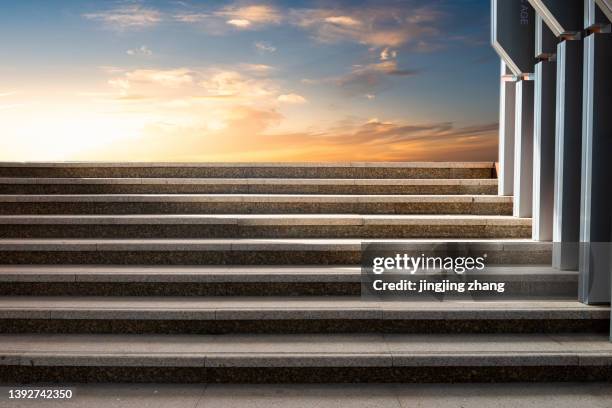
x=220, y=315
x=263, y=226
x=443, y=170
x=243, y=251
x=254, y=203
x=521, y=281
x=321, y=358
x=48, y=185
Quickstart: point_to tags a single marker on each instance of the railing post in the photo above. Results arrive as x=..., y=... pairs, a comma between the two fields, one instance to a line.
x=565, y=20
x=506, y=131
x=523, y=149
x=544, y=133
x=596, y=187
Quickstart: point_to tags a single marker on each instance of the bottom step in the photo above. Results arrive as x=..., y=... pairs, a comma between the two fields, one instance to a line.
x=304, y=358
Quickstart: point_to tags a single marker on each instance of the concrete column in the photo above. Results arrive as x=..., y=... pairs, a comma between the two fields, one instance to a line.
x=596, y=186
x=506, y=132
x=568, y=147
x=544, y=150
x=523, y=149
x=544, y=132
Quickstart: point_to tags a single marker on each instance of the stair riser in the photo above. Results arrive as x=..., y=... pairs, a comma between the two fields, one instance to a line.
x=250, y=172
x=550, y=288
x=229, y=257
x=475, y=208
x=241, y=189
x=298, y=326
x=24, y=374
x=246, y=231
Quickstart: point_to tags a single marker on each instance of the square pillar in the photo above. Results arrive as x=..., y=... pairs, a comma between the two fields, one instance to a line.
x=506, y=132
x=523, y=149
x=544, y=150
x=568, y=148
x=596, y=186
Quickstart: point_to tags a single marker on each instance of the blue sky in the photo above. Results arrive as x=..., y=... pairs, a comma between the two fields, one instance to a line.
x=213, y=80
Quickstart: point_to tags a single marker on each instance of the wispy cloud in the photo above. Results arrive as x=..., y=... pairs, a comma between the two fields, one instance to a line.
x=250, y=16
x=237, y=16
x=140, y=51
x=248, y=85
x=379, y=27
x=346, y=21
x=257, y=69
x=366, y=80
x=127, y=16
x=264, y=47
x=292, y=98
x=387, y=54
x=170, y=77
x=389, y=26
x=187, y=17
x=239, y=22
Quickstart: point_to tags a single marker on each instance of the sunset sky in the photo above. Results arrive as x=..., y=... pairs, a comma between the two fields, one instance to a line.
x=164, y=80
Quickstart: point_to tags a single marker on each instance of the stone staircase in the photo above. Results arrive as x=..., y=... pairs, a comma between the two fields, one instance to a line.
x=250, y=273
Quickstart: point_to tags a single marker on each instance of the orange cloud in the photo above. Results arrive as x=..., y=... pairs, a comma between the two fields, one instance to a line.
x=377, y=27
x=247, y=138
x=245, y=16
x=292, y=98
x=125, y=17
x=242, y=17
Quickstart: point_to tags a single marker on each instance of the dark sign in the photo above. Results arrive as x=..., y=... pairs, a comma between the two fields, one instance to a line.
x=513, y=34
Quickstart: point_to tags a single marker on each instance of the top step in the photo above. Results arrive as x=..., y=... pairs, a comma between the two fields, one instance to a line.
x=418, y=170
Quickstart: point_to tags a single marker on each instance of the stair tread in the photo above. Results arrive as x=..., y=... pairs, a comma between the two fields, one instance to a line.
x=419, y=309
x=242, y=244
x=320, y=198
x=255, y=273
x=312, y=350
x=249, y=181
x=270, y=219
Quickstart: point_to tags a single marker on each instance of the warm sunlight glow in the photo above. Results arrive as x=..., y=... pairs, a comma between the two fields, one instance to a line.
x=199, y=81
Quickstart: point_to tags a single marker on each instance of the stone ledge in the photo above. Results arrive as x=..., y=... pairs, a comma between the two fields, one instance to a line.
x=289, y=308
x=304, y=351
x=238, y=274
x=249, y=181
x=266, y=219
x=250, y=198
x=255, y=244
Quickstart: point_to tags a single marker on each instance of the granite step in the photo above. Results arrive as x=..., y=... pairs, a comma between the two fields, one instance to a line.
x=428, y=170
x=223, y=315
x=263, y=226
x=254, y=203
x=248, y=251
x=48, y=185
x=312, y=358
x=521, y=281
